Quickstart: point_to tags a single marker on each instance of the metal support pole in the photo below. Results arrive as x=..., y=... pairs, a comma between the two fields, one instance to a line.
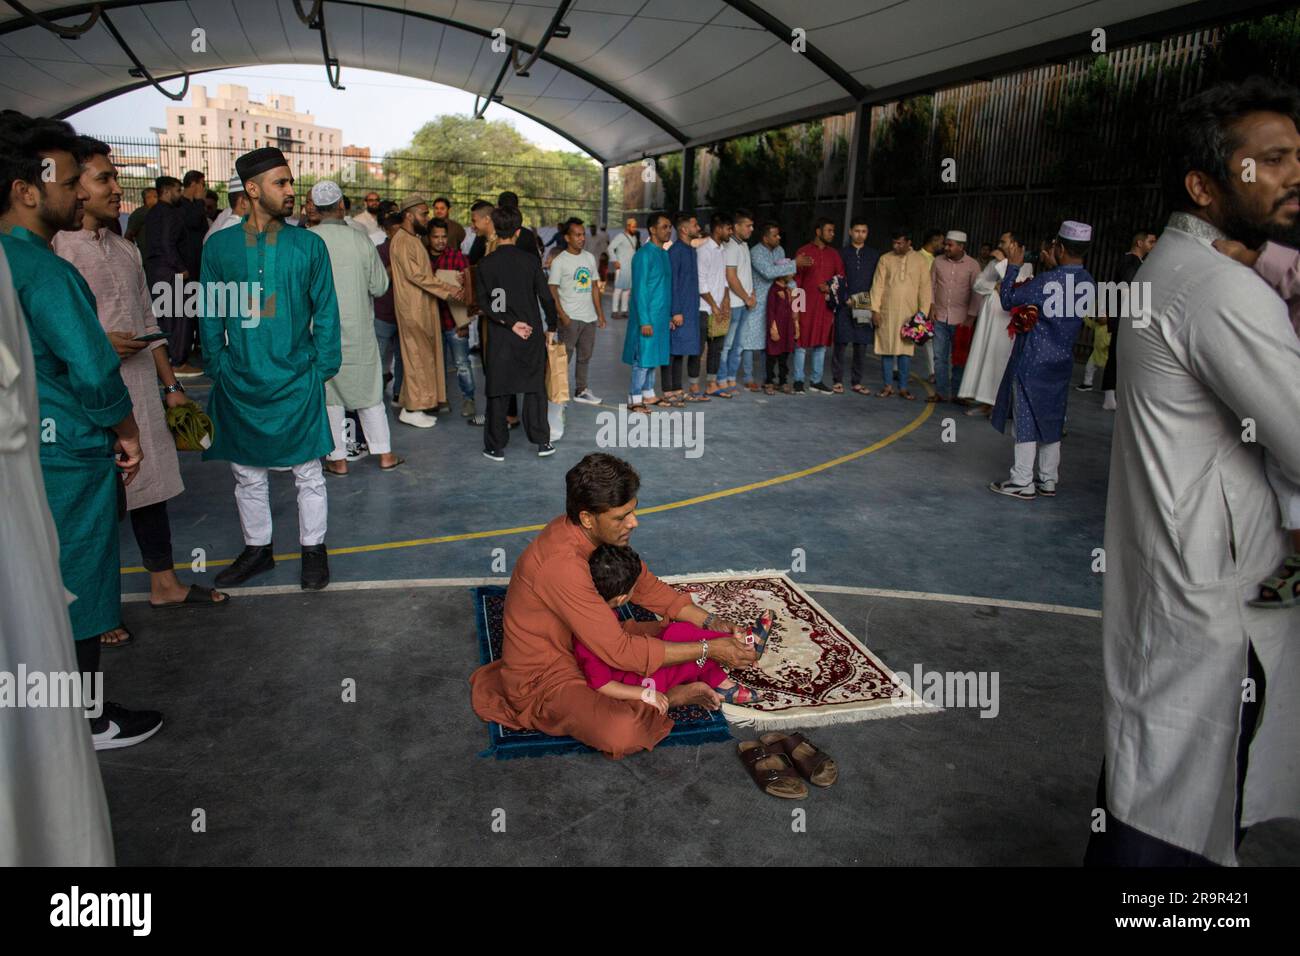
x=686, y=202
x=603, y=221
x=855, y=176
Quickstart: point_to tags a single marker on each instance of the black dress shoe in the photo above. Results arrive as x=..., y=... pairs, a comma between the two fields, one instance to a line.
x=251, y=562
x=315, y=567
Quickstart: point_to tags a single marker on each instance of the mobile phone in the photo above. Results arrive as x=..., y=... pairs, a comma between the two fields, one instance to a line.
x=150, y=337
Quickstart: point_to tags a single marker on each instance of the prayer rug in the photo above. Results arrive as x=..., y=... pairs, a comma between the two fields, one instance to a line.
x=692, y=725
x=814, y=672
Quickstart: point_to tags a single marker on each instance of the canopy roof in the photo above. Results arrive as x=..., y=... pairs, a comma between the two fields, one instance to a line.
x=632, y=78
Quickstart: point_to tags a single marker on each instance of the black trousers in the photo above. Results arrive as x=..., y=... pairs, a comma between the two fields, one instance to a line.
x=672, y=372
x=1123, y=845
x=87, y=655
x=715, y=347
x=180, y=329
x=778, y=366
x=153, y=534
x=1111, y=372
x=859, y=362
x=496, y=433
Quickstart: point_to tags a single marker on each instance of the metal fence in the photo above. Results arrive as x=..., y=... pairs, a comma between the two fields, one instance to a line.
x=548, y=194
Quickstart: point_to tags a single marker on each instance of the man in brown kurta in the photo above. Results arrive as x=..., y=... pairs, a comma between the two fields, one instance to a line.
x=415, y=291
x=552, y=601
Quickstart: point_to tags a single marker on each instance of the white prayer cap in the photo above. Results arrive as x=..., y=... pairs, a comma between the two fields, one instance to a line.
x=956, y=235
x=234, y=185
x=1076, y=231
x=326, y=193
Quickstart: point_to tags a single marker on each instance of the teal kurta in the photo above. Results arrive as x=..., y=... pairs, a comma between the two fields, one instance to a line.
x=81, y=396
x=359, y=278
x=268, y=372
x=650, y=304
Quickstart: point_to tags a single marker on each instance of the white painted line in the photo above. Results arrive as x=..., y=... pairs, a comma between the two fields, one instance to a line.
x=412, y=583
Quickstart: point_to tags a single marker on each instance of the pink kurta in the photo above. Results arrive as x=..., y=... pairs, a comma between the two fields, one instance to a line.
x=598, y=673
x=1279, y=266
x=111, y=267
x=817, y=323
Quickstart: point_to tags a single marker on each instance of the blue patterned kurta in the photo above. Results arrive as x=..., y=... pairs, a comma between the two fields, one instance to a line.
x=1042, y=359
x=685, y=339
x=767, y=269
x=649, y=304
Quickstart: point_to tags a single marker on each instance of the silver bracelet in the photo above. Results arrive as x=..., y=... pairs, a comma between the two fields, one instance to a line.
x=704, y=654
x=707, y=621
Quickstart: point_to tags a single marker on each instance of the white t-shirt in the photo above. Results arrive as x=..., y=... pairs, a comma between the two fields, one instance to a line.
x=738, y=256
x=711, y=264
x=573, y=275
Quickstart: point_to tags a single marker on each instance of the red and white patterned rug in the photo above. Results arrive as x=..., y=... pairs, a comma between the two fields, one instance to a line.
x=814, y=672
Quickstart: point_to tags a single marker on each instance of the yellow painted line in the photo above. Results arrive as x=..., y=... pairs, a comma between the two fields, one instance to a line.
x=907, y=429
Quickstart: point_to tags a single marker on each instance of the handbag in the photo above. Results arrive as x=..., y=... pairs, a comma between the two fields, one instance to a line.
x=859, y=302
x=718, y=324
x=191, y=427
x=557, y=372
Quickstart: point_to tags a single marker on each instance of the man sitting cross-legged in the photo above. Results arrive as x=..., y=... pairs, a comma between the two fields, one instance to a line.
x=537, y=684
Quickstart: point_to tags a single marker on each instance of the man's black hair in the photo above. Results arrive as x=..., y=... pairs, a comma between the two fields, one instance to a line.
x=741, y=214
x=768, y=224
x=681, y=218
x=437, y=224
x=653, y=219
x=930, y=234
x=192, y=177
x=481, y=204
x=822, y=221
x=1203, y=138
x=900, y=233
x=88, y=146
x=570, y=223
x=509, y=199
x=720, y=219
x=22, y=140
x=614, y=570
x=859, y=221
x=597, y=484
x=445, y=201
x=506, y=221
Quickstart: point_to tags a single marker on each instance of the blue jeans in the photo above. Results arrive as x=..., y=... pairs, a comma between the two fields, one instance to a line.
x=904, y=369
x=818, y=363
x=643, y=382
x=747, y=363
x=731, y=346
x=943, y=336
x=386, y=333
x=456, y=352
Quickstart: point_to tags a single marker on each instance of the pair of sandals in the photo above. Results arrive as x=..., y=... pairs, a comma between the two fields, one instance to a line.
x=780, y=763
x=889, y=390
x=727, y=392
x=1282, y=591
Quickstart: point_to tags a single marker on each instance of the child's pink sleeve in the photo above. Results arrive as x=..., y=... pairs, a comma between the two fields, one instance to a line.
x=1279, y=266
x=597, y=672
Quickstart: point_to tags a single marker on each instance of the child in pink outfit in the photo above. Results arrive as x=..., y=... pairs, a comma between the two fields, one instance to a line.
x=614, y=571
x=1279, y=266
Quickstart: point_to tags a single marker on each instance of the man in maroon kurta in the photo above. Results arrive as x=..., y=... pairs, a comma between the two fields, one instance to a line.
x=817, y=323
x=537, y=683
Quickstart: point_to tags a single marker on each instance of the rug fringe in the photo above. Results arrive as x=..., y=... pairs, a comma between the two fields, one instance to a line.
x=758, y=721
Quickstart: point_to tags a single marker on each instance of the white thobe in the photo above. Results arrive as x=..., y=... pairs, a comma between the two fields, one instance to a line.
x=990, y=347
x=52, y=807
x=1191, y=530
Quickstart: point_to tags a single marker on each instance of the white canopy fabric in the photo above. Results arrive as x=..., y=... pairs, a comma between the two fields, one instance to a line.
x=633, y=78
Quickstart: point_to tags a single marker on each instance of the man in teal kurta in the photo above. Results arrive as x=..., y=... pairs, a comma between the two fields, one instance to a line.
x=270, y=325
x=645, y=347
x=86, y=419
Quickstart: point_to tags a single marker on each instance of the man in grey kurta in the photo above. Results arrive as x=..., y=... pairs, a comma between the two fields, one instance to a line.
x=1202, y=704
x=359, y=279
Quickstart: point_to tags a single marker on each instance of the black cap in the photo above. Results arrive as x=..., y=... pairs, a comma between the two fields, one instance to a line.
x=259, y=161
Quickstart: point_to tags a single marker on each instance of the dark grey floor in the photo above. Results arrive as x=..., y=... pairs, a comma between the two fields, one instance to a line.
x=258, y=737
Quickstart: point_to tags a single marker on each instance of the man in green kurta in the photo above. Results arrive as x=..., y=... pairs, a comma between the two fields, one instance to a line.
x=270, y=326
x=88, y=430
x=359, y=278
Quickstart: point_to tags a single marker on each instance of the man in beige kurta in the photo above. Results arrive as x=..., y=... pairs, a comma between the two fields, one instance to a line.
x=113, y=269
x=424, y=384
x=900, y=289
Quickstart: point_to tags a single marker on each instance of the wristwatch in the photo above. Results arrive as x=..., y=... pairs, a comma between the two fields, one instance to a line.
x=174, y=387
x=704, y=654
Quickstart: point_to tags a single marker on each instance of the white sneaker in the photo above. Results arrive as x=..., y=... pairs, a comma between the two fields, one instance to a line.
x=1108, y=400
x=586, y=397
x=418, y=419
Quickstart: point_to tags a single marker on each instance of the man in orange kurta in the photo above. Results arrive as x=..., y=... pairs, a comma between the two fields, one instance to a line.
x=537, y=683
x=415, y=301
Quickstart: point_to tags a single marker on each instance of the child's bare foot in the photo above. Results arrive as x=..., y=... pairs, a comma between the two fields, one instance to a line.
x=698, y=693
x=734, y=692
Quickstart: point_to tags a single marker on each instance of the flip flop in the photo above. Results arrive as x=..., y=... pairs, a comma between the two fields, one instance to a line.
x=838, y=388
x=771, y=770
x=718, y=393
x=335, y=474
x=734, y=694
x=861, y=390
x=762, y=631
x=813, y=765
x=129, y=639
x=202, y=597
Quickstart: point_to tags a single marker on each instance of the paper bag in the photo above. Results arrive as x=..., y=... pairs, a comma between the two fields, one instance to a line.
x=557, y=372
x=459, y=310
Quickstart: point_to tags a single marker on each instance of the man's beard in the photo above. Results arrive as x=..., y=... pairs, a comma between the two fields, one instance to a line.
x=420, y=228
x=70, y=221
x=1253, y=233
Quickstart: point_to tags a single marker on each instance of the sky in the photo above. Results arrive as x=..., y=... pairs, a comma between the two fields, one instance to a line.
x=407, y=105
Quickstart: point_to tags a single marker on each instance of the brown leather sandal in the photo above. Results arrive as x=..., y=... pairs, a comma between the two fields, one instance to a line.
x=771, y=770
x=813, y=765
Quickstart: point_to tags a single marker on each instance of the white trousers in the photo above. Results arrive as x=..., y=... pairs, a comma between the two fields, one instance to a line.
x=374, y=422
x=555, y=419
x=624, y=294
x=253, y=497
x=1049, y=462
x=1089, y=371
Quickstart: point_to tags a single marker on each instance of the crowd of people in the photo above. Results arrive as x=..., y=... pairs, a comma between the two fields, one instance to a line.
x=337, y=316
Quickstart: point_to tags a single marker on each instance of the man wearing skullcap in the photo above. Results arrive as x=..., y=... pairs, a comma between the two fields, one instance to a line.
x=235, y=211
x=415, y=294
x=951, y=277
x=270, y=325
x=1036, y=384
x=359, y=278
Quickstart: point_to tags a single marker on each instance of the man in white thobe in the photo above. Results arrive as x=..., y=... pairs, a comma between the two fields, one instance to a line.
x=990, y=347
x=234, y=212
x=1202, y=703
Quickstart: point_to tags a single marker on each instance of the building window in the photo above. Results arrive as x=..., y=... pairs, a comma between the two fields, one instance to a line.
x=230, y=124
x=203, y=121
x=180, y=120
x=241, y=124
x=180, y=153
x=182, y=137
